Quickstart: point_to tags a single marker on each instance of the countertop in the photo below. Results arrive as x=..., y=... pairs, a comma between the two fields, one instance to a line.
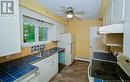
x=18, y=68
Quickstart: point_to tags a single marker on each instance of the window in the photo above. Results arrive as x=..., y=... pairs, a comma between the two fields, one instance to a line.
x=35, y=30
x=29, y=33
x=43, y=33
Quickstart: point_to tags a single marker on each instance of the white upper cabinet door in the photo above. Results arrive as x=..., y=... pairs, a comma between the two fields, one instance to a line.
x=60, y=28
x=10, y=29
x=118, y=11
x=55, y=31
x=127, y=29
x=53, y=34
x=109, y=14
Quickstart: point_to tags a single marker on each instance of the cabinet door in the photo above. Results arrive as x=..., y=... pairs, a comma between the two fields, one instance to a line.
x=44, y=69
x=127, y=29
x=53, y=34
x=45, y=72
x=54, y=65
x=118, y=11
x=48, y=68
x=10, y=31
x=60, y=28
x=109, y=13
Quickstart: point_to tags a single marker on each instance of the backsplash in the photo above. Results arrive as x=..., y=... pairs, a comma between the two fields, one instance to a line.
x=37, y=48
x=25, y=51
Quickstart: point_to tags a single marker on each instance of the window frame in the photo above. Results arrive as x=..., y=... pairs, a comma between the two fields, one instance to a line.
x=36, y=23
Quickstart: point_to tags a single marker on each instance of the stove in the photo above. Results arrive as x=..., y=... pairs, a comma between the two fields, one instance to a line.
x=104, y=67
x=104, y=70
x=108, y=72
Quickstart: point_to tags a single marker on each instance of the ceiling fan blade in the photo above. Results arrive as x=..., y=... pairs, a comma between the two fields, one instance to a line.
x=61, y=15
x=80, y=13
x=64, y=17
x=63, y=11
x=64, y=8
x=77, y=18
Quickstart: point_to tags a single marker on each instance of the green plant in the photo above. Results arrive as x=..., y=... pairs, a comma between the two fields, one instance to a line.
x=42, y=33
x=29, y=33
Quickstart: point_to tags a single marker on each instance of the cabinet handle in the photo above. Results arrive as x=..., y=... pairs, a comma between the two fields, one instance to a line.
x=37, y=72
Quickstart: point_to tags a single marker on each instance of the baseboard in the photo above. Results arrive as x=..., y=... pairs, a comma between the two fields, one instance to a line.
x=82, y=59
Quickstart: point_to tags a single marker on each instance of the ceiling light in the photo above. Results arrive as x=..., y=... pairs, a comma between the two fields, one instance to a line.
x=70, y=15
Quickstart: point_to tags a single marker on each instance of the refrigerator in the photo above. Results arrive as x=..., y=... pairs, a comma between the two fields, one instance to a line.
x=66, y=42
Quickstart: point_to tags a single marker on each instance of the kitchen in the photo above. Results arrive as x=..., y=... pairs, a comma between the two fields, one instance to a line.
x=64, y=41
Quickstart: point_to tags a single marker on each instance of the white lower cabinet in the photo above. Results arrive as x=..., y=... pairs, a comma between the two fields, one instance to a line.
x=48, y=68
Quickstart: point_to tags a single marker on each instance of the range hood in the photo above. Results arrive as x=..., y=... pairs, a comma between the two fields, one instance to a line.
x=111, y=29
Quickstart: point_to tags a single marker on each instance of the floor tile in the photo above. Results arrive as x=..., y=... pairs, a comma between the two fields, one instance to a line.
x=77, y=72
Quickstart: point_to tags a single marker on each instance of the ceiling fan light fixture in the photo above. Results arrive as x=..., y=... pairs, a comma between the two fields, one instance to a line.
x=70, y=15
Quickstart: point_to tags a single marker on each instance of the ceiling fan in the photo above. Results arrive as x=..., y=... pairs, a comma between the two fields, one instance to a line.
x=69, y=13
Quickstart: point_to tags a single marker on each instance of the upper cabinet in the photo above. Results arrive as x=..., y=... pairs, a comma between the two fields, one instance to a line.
x=115, y=12
x=114, y=23
x=55, y=32
x=10, y=29
x=118, y=11
x=53, y=35
x=109, y=14
x=127, y=29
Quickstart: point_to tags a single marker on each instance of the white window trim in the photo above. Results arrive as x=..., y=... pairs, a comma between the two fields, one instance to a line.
x=37, y=42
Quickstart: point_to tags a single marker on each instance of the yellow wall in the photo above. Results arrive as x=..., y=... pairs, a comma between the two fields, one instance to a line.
x=32, y=4
x=80, y=31
x=103, y=8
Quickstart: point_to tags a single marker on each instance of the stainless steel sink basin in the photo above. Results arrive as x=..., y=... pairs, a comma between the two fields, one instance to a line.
x=46, y=52
x=40, y=55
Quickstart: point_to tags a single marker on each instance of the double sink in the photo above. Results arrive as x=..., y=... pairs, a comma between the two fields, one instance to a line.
x=44, y=53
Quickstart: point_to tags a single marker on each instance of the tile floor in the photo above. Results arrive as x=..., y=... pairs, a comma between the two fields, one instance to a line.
x=77, y=72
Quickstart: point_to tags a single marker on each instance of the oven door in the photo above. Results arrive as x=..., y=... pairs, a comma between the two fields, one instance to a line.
x=92, y=79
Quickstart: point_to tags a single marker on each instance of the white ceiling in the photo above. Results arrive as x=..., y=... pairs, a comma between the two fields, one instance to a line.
x=90, y=7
